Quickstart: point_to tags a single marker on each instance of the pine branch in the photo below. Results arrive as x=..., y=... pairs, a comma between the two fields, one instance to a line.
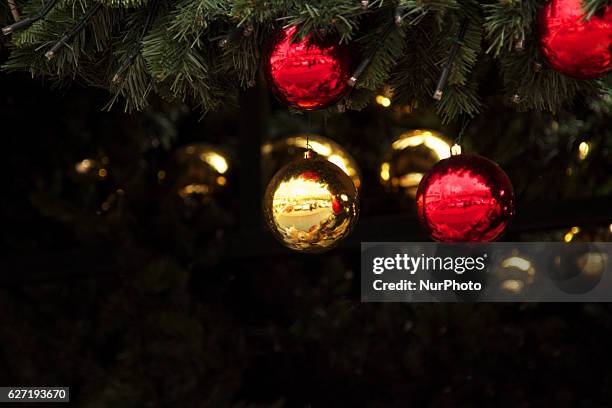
x=508, y=24
x=86, y=47
x=415, y=76
x=174, y=51
x=28, y=21
x=543, y=89
x=131, y=78
x=183, y=70
x=125, y=3
x=591, y=7
x=341, y=16
x=72, y=33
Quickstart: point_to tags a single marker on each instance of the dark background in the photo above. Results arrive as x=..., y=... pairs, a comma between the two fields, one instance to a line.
x=116, y=288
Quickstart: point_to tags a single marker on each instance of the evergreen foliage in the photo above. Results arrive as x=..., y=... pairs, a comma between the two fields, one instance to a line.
x=172, y=48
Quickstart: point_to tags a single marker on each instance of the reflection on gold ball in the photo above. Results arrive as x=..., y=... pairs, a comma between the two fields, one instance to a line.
x=410, y=156
x=278, y=153
x=579, y=268
x=198, y=171
x=311, y=204
x=516, y=273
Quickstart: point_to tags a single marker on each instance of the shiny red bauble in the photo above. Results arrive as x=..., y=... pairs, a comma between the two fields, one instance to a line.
x=308, y=74
x=575, y=47
x=465, y=198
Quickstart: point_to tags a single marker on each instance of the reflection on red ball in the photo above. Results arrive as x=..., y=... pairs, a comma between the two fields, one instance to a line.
x=310, y=175
x=336, y=205
x=465, y=198
x=308, y=74
x=574, y=47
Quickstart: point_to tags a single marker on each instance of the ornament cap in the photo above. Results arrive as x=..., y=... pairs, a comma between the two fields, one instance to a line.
x=455, y=150
x=310, y=154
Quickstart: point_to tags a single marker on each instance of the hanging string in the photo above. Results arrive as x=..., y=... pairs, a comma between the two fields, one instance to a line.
x=308, y=147
x=28, y=21
x=437, y=95
x=77, y=29
x=464, y=125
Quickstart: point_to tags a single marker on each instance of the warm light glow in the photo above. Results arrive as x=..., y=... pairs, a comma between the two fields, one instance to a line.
x=383, y=101
x=193, y=189
x=341, y=162
x=324, y=149
x=384, y=171
x=410, y=180
x=215, y=160
x=411, y=155
x=267, y=148
x=583, y=150
x=569, y=236
x=519, y=263
x=610, y=228
x=514, y=267
x=592, y=263
x=83, y=166
x=161, y=175
x=513, y=285
x=221, y=180
x=426, y=137
x=102, y=173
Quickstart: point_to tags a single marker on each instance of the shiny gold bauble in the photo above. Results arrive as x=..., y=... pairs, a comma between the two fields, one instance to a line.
x=198, y=171
x=280, y=152
x=409, y=157
x=311, y=204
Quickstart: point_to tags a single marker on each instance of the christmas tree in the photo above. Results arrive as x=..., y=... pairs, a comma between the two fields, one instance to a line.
x=206, y=52
x=137, y=267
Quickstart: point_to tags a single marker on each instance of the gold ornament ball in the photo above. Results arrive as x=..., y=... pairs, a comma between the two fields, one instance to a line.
x=278, y=153
x=409, y=157
x=198, y=171
x=311, y=204
x=516, y=274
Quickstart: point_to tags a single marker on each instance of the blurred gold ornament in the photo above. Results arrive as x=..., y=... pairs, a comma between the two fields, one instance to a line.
x=311, y=204
x=198, y=172
x=410, y=156
x=90, y=169
x=280, y=152
x=579, y=268
x=516, y=274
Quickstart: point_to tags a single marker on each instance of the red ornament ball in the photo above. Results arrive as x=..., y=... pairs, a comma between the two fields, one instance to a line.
x=465, y=198
x=573, y=46
x=308, y=74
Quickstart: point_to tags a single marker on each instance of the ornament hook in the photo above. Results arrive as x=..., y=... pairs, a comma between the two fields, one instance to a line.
x=455, y=150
